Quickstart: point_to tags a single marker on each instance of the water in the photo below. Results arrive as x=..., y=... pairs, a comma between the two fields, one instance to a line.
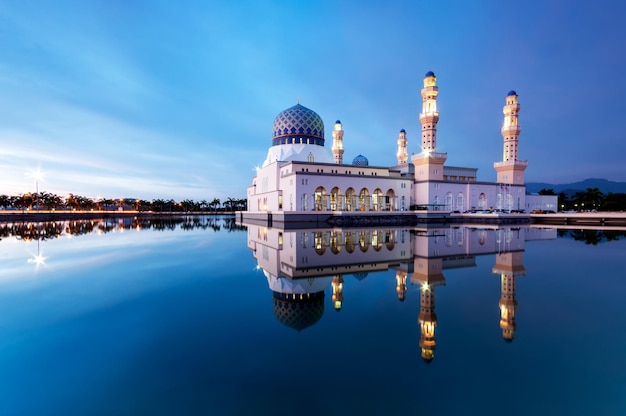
x=123, y=318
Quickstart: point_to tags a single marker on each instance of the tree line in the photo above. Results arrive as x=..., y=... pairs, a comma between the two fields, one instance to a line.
x=589, y=200
x=49, y=201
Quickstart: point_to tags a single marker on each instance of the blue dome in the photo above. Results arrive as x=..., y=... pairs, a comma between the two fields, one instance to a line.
x=402, y=131
x=338, y=122
x=512, y=92
x=429, y=74
x=298, y=124
x=360, y=160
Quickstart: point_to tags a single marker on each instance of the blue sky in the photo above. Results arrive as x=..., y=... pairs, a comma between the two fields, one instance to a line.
x=163, y=99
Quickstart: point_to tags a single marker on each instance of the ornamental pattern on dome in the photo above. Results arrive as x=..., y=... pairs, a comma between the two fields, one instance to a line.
x=360, y=160
x=298, y=124
x=299, y=313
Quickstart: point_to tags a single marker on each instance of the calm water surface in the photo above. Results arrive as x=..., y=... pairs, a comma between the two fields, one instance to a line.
x=206, y=317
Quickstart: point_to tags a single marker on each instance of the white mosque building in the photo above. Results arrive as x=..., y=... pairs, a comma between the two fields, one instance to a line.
x=301, y=180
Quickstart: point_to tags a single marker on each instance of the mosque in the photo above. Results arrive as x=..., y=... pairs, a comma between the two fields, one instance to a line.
x=301, y=181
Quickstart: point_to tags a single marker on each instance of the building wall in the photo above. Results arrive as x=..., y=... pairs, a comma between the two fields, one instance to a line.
x=542, y=202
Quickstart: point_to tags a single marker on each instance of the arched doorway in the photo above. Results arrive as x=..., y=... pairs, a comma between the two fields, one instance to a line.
x=390, y=197
x=320, y=199
x=377, y=200
x=364, y=200
x=335, y=199
x=350, y=199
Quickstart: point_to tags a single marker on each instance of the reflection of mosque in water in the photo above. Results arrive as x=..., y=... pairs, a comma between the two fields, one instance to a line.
x=300, y=265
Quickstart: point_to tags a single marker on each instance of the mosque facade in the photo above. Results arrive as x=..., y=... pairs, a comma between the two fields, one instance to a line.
x=299, y=176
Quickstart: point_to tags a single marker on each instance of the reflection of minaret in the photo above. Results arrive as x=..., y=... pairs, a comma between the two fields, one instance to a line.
x=508, y=266
x=428, y=274
x=338, y=142
x=402, y=154
x=401, y=284
x=337, y=284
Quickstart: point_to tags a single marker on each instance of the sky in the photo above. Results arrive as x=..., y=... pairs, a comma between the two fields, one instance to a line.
x=163, y=99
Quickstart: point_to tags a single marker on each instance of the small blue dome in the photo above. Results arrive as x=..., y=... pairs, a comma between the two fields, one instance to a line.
x=360, y=160
x=512, y=92
x=429, y=74
x=402, y=131
x=338, y=122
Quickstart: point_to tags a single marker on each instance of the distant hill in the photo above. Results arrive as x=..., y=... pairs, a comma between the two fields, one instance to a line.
x=605, y=186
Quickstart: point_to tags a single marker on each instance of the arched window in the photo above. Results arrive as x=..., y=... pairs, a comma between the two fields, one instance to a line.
x=448, y=201
x=389, y=200
x=350, y=200
x=482, y=201
x=364, y=200
x=460, y=202
x=305, y=202
x=377, y=200
x=320, y=199
x=335, y=199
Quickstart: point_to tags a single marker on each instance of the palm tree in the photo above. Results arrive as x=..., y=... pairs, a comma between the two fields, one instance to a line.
x=594, y=197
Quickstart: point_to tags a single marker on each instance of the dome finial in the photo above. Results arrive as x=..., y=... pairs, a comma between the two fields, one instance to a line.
x=298, y=99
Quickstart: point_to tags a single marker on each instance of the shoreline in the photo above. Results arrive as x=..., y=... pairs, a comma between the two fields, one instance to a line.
x=7, y=216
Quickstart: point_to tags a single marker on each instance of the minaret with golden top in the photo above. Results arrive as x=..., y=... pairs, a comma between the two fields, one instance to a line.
x=429, y=163
x=511, y=170
x=338, y=142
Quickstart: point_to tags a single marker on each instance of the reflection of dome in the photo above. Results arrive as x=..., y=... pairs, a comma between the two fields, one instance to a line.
x=511, y=93
x=298, y=124
x=360, y=276
x=298, y=311
x=360, y=160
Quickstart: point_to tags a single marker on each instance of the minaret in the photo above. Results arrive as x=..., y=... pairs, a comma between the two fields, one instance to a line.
x=337, y=285
x=508, y=266
x=402, y=154
x=429, y=117
x=429, y=163
x=338, y=142
x=511, y=170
